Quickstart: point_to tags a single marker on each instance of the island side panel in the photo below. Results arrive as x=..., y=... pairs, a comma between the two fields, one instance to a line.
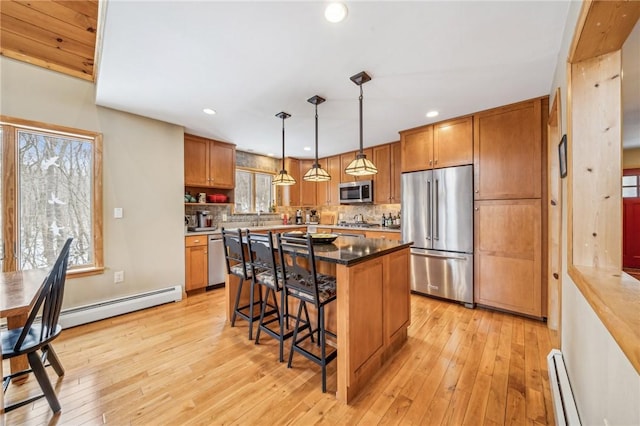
x=373, y=315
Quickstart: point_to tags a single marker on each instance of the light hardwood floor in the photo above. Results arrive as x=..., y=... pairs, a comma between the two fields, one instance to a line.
x=182, y=364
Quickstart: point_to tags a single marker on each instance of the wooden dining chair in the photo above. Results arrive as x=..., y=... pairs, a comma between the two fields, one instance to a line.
x=37, y=336
x=303, y=282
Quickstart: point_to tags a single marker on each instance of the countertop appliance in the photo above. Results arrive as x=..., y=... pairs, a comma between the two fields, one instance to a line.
x=216, y=262
x=437, y=215
x=359, y=192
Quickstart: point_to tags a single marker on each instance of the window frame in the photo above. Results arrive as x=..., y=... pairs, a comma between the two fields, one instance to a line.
x=632, y=172
x=11, y=126
x=253, y=173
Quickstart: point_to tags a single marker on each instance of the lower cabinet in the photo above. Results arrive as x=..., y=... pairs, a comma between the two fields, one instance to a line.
x=508, y=255
x=196, y=262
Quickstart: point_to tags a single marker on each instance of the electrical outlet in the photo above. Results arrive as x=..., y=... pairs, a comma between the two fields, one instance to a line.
x=118, y=276
x=117, y=213
x=606, y=422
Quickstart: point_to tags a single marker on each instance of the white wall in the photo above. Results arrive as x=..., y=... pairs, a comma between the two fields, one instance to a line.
x=142, y=173
x=605, y=384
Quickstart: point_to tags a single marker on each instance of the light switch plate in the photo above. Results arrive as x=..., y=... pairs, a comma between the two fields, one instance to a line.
x=117, y=213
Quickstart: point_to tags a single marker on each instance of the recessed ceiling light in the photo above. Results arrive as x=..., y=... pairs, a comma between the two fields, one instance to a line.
x=307, y=148
x=208, y=111
x=335, y=12
x=432, y=114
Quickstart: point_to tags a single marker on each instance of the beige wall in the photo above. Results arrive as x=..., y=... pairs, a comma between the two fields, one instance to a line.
x=631, y=158
x=605, y=384
x=143, y=174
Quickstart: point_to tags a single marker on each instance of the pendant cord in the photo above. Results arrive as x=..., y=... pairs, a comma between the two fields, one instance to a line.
x=361, y=146
x=283, y=143
x=316, y=164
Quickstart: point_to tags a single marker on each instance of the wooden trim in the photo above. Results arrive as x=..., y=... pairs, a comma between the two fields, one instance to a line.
x=554, y=213
x=615, y=298
x=9, y=203
x=9, y=198
x=594, y=170
x=603, y=27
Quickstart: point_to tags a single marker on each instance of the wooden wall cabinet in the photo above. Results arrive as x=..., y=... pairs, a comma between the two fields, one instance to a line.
x=508, y=257
x=346, y=159
x=328, y=193
x=507, y=152
x=417, y=149
x=209, y=163
x=196, y=262
x=510, y=219
x=386, y=186
x=290, y=195
x=445, y=144
x=453, y=143
x=307, y=189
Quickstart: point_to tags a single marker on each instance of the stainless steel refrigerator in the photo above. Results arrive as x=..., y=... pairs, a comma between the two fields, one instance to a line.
x=437, y=215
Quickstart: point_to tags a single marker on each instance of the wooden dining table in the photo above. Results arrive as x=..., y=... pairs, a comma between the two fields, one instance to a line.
x=18, y=293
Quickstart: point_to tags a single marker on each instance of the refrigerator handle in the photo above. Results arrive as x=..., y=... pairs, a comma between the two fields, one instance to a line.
x=428, y=209
x=436, y=233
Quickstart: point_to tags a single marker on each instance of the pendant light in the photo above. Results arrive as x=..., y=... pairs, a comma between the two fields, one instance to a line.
x=361, y=166
x=283, y=178
x=316, y=173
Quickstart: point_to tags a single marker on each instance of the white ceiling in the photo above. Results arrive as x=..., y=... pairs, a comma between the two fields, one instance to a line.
x=250, y=60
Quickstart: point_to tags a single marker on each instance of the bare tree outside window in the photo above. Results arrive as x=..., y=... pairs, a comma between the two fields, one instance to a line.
x=55, y=175
x=254, y=191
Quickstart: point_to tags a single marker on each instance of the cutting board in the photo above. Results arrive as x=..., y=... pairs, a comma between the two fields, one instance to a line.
x=327, y=219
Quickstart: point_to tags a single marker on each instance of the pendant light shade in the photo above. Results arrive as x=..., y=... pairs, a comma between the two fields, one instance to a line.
x=361, y=166
x=283, y=178
x=316, y=173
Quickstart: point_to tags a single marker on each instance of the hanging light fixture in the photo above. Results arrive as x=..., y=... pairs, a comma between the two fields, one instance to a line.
x=283, y=178
x=361, y=166
x=316, y=173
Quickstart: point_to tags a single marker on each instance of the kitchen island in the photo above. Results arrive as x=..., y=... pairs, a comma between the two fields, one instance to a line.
x=372, y=310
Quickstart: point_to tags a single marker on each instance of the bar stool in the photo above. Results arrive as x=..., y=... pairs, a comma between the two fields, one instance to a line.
x=304, y=283
x=262, y=256
x=236, y=261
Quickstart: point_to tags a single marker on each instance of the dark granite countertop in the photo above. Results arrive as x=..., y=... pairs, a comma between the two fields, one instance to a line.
x=352, y=250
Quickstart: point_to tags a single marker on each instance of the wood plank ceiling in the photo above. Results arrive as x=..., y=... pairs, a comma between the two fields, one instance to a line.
x=54, y=34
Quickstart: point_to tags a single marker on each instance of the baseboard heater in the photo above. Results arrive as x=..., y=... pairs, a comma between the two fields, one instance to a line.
x=111, y=308
x=564, y=406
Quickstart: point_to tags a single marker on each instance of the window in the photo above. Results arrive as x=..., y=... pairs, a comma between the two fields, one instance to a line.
x=254, y=191
x=57, y=184
x=631, y=183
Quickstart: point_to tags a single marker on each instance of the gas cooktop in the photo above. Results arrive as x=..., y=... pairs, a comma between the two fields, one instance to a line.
x=359, y=225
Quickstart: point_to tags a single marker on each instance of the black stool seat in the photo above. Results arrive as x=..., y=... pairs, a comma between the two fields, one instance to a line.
x=238, y=264
x=302, y=282
x=262, y=255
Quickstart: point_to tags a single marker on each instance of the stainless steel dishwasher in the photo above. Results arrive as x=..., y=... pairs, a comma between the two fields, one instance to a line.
x=217, y=266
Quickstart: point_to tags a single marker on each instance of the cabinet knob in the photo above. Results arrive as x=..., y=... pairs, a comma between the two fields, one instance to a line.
x=436, y=161
x=477, y=191
x=430, y=162
x=196, y=241
x=477, y=208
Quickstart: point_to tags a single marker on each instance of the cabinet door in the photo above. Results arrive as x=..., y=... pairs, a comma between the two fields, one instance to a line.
x=333, y=189
x=307, y=189
x=195, y=161
x=417, y=149
x=347, y=158
x=222, y=165
x=453, y=143
x=196, y=265
x=508, y=151
x=382, y=181
x=290, y=195
x=508, y=255
x=395, y=191
x=322, y=188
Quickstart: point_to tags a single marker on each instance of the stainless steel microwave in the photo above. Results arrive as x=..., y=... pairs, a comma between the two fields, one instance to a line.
x=359, y=192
